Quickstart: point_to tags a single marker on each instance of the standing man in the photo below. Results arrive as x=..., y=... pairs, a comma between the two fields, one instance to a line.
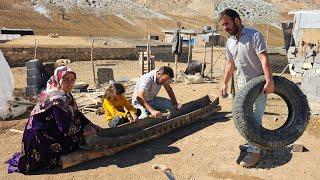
x=146, y=91
x=246, y=50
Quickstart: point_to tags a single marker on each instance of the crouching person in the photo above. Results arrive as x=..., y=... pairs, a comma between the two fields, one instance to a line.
x=146, y=91
x=118, y=110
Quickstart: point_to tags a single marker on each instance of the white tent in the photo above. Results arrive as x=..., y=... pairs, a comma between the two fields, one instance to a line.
x=6, y=86
x=305, y=20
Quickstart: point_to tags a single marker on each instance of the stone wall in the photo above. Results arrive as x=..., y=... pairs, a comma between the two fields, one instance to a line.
x=306, y=68
x=18, y=56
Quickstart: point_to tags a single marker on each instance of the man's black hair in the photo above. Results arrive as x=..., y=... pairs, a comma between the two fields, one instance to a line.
x=166, y=70
x=231, y=13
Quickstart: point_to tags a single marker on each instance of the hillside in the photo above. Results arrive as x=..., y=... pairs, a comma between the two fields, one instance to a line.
x=128, y=18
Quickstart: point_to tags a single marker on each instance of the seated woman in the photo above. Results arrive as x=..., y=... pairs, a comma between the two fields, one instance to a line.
x=55, y=126
x=114, y=103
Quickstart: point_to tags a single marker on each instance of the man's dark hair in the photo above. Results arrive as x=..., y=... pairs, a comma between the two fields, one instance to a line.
x=166, y=70
x=231, y=13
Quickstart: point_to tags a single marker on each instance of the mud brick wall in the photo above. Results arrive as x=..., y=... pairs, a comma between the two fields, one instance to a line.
x=18, y=56
x=306, y=68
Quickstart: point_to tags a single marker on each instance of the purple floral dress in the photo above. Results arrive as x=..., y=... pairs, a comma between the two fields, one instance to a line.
x=55, y=127
x=56, y=130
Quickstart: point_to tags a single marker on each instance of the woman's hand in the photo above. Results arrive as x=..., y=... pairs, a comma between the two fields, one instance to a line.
x=96, y=127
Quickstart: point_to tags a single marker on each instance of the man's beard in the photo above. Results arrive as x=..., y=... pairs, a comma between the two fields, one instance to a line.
x=157, y=81
x=234, y=30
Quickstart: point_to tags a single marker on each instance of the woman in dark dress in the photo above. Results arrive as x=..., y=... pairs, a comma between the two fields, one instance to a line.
x=55, y=126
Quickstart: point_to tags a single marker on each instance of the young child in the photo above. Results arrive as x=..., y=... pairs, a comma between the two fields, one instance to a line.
x=113, y=105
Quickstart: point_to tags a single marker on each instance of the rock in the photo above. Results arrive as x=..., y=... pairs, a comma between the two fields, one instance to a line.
x=62, y=62
x=307, y=66
x=298, y=148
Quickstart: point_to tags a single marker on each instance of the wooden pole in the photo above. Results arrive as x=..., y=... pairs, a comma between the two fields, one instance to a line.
x=267, y=40
x=189, y=52
x=92, y=63
x=176, y=59
x=204, y=60
x=211, y=61
x=148, y=58
x=142, y=63
x=145, y=26
x=35, y=48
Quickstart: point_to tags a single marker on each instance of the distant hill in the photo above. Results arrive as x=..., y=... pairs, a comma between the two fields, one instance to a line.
x=127, y=18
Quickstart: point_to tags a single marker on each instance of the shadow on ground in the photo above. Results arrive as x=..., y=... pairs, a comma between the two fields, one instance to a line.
x=271, y=158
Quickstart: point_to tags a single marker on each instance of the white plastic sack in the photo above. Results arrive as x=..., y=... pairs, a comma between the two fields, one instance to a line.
x=6, y=87
x=189, y=79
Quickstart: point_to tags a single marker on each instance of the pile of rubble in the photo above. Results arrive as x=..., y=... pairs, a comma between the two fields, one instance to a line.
x=305, y=67
x=121, y=8
x=253, y=11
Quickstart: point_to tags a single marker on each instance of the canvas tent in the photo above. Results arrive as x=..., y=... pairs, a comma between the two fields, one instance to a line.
x=6, y=86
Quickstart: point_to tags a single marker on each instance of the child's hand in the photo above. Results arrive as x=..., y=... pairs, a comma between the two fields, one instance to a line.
x=134, y=117
x=178, y=106
x=131, y=118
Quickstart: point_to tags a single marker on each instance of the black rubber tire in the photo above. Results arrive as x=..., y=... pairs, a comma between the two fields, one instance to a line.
x=253, y=132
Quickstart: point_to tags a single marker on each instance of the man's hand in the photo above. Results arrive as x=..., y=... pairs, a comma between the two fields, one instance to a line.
x=224, y=90
x=155, y=114
x=268, y=87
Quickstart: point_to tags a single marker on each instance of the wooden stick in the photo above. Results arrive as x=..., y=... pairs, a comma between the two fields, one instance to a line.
x=211, y=61
x=189, y=52
x=204, y=60
x=16, y=131
x=267, y=39
x=165, y=170
x=142, y=63
x=148, y=58
x=35, y=48
x=92, y=63
x=22, y=103
x=176, y=58
x=90, y=109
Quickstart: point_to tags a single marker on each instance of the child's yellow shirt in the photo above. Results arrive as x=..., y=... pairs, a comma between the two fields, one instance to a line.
x=114, y=108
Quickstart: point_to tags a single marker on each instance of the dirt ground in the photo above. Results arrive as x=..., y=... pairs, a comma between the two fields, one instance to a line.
x=207, y=149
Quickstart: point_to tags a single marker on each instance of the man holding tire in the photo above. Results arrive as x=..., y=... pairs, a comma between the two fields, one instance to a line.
x=247, y=53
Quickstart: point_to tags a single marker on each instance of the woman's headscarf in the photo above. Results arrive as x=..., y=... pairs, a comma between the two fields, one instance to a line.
x=53, y=90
